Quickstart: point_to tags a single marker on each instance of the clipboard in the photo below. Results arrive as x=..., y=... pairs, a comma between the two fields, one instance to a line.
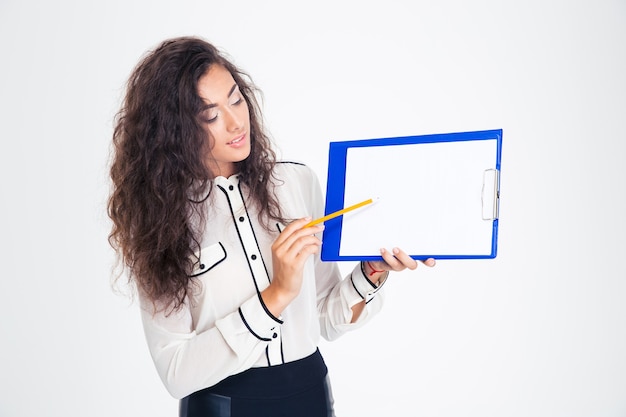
x=437, y=196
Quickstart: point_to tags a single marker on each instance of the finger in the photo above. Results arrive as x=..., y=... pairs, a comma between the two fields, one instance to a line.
x=405, y=259
x=295, y=226
x=393, y=263
x=296, y=244
x=304, y=242
x=430, y=262
x=309, y=249
x=295, y=259
x=302, y=237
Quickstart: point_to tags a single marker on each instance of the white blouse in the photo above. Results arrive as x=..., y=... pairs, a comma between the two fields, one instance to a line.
x=224, y=328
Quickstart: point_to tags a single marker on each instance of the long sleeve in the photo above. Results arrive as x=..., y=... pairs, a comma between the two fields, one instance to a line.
x=335, y=303
x=188, y=360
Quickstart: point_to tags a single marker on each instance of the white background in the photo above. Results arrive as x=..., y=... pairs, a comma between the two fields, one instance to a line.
x=539, y=331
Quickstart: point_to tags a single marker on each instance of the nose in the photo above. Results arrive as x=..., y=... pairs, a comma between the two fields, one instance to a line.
x=234, y=121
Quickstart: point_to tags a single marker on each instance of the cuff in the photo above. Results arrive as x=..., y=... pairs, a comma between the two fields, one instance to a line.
x=258, y=320
x=251, y=319
x=365, y=288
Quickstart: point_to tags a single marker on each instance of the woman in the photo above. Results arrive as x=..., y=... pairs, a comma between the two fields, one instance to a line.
x=211, y=229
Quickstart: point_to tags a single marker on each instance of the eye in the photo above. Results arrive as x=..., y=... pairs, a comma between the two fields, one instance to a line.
x=209, y=116
x=237, y=99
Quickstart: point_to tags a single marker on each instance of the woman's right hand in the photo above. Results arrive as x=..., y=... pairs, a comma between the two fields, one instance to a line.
x=290, y=251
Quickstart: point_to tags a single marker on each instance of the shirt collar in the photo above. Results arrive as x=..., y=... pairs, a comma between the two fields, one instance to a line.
x=225, y=182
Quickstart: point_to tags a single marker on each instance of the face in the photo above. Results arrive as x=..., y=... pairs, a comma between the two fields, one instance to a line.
x=226, y=118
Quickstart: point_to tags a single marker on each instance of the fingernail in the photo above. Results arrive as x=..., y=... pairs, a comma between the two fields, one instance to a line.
x=396, y=251
x=382, y=250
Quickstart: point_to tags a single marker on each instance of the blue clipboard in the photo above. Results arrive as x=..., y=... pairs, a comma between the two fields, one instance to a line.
x=437, y=196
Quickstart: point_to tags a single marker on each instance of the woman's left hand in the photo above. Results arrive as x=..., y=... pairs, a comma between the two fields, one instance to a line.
x=395, y=260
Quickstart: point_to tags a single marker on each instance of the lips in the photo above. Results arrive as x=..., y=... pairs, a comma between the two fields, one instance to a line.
x=238, y=141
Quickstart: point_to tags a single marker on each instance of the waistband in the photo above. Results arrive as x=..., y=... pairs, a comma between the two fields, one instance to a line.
x=274, y=381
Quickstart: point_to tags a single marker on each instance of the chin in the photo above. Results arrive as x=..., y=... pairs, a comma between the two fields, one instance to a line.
x=246, y=156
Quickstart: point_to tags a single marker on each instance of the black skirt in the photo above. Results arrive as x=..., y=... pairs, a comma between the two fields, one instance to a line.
x=298, y=388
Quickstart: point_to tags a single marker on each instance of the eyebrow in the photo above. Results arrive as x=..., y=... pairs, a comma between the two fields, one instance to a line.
x=230, y=93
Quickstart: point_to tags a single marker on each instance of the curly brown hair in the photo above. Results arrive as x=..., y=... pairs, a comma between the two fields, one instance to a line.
x=159, y=175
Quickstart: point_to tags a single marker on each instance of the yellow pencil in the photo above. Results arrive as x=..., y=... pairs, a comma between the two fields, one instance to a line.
x=339, y=212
